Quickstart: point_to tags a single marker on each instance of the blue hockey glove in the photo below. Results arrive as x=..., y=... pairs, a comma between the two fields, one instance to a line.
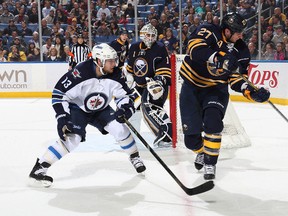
x=64, y=125
x=124, y=112
x=227, y=62
x=261, y=95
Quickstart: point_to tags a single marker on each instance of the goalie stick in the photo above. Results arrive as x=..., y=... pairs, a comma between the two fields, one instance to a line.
x=190, y=191
x=256, y=88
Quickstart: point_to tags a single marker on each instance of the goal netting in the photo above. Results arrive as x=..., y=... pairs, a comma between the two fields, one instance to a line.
x=233, y=135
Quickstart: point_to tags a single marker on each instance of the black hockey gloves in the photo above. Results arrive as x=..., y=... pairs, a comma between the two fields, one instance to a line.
x=64, y=126
x=124, y=112
x=227, y=62
x=155, y=86
x=261, y=95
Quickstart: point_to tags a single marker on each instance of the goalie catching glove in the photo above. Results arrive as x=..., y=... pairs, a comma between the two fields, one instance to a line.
x=64, y=125
x=124, y=112
x=259, y=95
x=226, y=62
x=155, y=86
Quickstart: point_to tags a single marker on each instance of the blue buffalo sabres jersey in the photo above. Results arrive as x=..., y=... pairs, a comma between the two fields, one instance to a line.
x=204, y=41
x=144, y=62
x=82, y=87
x=121, y=49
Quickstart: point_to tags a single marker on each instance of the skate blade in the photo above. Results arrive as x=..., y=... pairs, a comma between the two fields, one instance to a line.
x=39, y=183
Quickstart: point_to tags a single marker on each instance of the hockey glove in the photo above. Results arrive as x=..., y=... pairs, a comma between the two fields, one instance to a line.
x=227, y=62
x=124, y=112
x=64, y=125
x=155, y=87
x=259, y=95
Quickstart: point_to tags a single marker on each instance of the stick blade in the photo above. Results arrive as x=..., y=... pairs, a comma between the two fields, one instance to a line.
x=200, y=189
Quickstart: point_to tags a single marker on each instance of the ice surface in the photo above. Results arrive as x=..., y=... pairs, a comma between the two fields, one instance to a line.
x=98, y=179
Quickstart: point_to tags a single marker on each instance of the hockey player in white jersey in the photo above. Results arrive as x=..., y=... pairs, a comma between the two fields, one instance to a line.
x=81, y=97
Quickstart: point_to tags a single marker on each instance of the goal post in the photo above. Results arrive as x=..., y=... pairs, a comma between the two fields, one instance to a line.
x=233, y=134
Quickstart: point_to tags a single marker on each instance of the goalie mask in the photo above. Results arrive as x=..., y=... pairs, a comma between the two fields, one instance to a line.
x=148, y=34
x=104, y=52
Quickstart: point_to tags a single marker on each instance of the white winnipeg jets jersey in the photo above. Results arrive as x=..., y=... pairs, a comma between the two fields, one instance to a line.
x=90, y=93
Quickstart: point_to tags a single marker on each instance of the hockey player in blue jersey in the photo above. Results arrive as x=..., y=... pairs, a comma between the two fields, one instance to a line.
x=214, y=56
x=81, y=97
x=149, y=64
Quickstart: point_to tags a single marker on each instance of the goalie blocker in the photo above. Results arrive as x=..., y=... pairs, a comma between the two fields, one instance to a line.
x=155, y=116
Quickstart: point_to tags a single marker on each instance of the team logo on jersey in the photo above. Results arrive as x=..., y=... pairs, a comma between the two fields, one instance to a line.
x=95, y=102
x=76, y=73
x=140, y=67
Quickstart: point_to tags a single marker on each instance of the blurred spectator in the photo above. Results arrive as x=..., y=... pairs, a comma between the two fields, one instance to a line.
x=114, y=28
x=46, y=47
x=119, y=11
x=265, y=5
x=280, y=51
x=286, y=26
x=113, y=16
x=276, y=20
x=103, y=9
x=4, y=47
x=33, y=16
x=21, y=16
x=35, y=56
x=216, y=20
x=170, y=41
x=50, y=18
x=2, y=55
x=265, y=39
x=286, y=51
x=75, y=10
x=35, y=39
x=184, y=43
x=82, y=17
x=16, y=8
x=6, y=16
x=269, y=51
x=76, y=29
x=247, y=11
x=208, y=18
x=103, y=30
x=30, y=48
x=279, y=34
x=52, y=55
x=154, y=13
x=67, y=39
x=60, y=16
x=16, y=56
x=25, y=31
x=277, y=13
x=17, y=42
x=163, y=23
x=196, y=23
x=129, y=12
x=123, y=20
x=46, y=10
x=10, y=28
x=154, y=22
x=231, y=7
x=46, y=30
x=253, y=51
x=201, y=9
x=59, y=45
x=68, y=54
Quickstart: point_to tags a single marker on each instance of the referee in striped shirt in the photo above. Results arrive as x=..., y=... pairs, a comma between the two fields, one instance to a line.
x=79, y=52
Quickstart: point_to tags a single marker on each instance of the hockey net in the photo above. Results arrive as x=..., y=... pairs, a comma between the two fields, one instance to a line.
x=233, y=135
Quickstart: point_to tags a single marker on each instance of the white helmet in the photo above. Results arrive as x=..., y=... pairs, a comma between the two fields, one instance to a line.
x=148, y=34
x=104, y=52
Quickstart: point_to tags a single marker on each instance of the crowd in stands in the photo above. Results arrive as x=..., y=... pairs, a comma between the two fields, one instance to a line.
x=63, y=20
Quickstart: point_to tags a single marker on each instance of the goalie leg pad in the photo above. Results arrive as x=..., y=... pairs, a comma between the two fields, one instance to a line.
x=158, y=121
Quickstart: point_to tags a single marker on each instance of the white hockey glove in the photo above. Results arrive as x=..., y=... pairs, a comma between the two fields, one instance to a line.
x=154, y=88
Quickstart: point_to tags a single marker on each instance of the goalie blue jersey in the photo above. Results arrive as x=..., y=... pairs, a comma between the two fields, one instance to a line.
x=143, y=62
x=203, y=42
x=81, y=87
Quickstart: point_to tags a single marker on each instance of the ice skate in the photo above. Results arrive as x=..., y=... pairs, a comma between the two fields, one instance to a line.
x=209, y=172
x=38, y=175
x=199, y=161
x=137, y=162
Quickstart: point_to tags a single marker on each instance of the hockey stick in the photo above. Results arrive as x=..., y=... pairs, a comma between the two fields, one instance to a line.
x=256, y=88
x=190, y=191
